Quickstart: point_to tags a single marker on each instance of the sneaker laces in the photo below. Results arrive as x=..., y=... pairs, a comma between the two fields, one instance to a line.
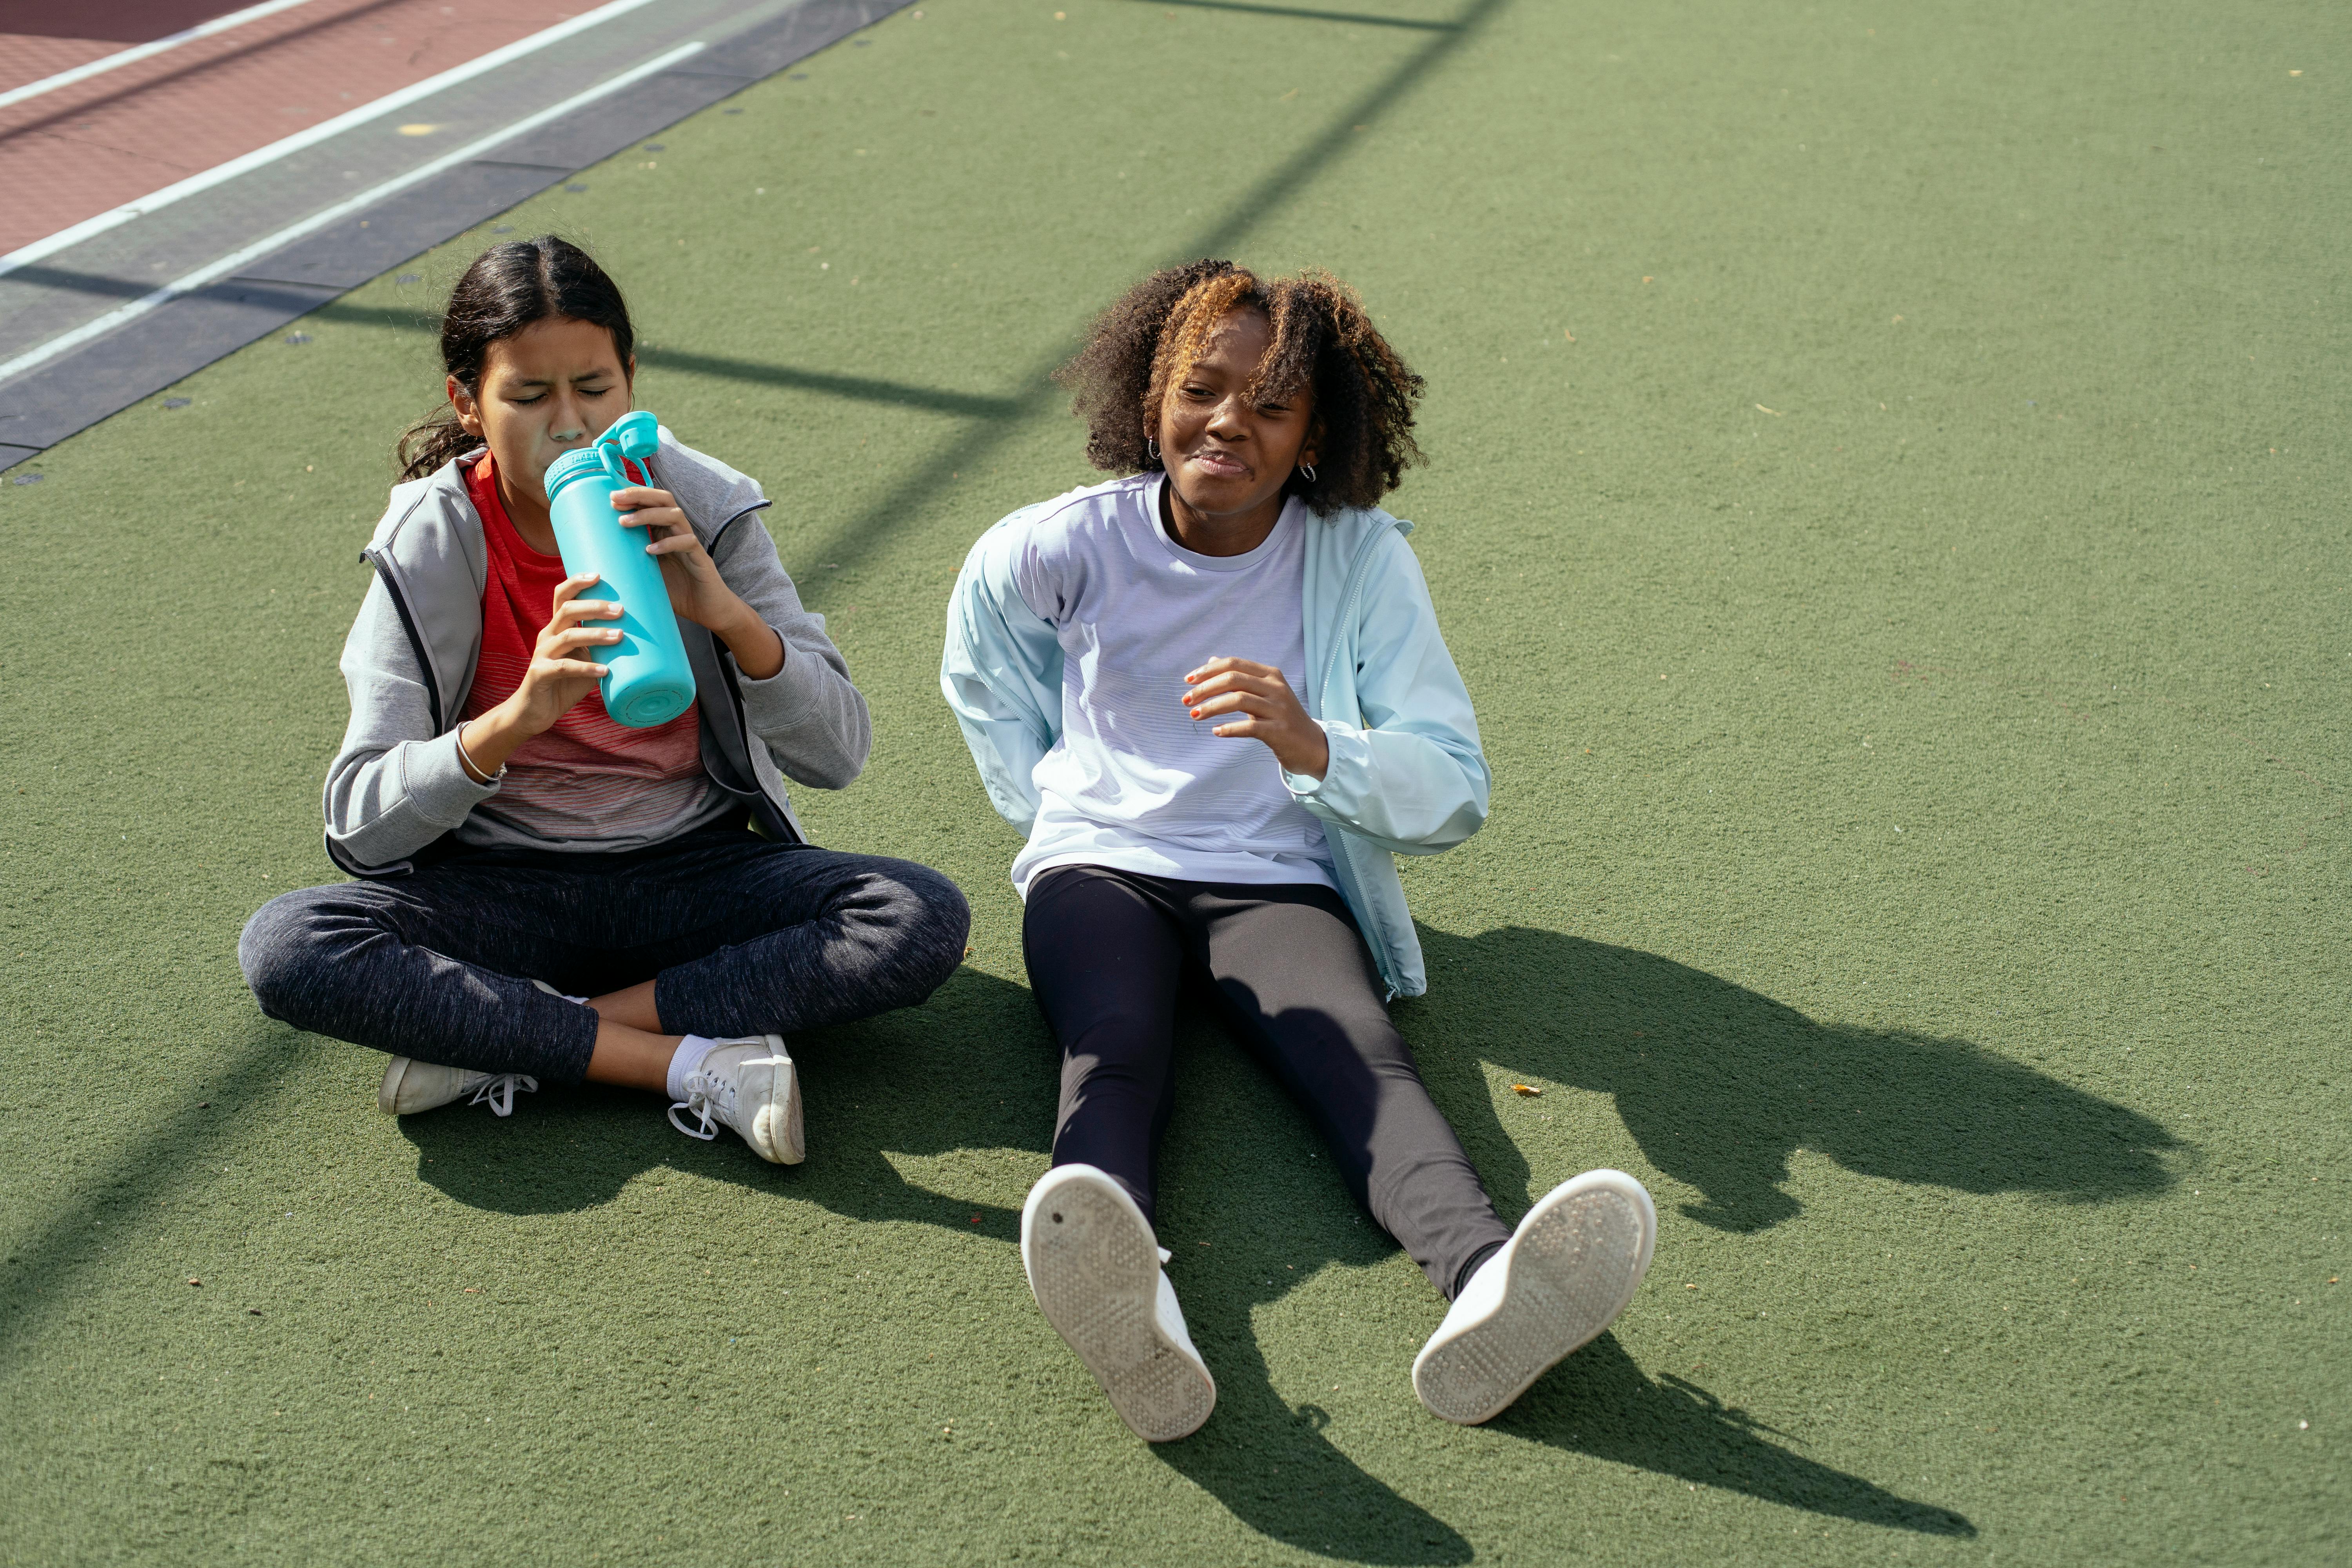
x=498, y=1092
x=709, y=1096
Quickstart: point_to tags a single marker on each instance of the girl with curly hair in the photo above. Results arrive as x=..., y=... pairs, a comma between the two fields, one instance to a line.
x=1213, y=695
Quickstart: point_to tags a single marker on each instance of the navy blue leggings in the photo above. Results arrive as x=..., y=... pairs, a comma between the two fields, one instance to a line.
x=739, y=935
x=1291, y=976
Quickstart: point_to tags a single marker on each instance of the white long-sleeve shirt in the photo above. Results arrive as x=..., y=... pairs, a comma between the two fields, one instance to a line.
x=1134, y=783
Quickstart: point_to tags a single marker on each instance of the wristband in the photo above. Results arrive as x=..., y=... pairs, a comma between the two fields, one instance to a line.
x=473, y=767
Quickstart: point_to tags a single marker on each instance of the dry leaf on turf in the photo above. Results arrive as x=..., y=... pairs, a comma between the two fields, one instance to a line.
x=1525, y=1089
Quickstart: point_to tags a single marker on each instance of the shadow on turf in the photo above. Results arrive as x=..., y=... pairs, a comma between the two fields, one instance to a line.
x=1251, y=1206
x=1274, y=1212
x=1598, y=1401
x=975, y=1068
x=1717, y=1084
x=963, y=1071
x=1301, y=13
x=1273, y=1468
x=1271, y=1465
x=1720, y=1084
x=1254, y=1208
x=723, y=367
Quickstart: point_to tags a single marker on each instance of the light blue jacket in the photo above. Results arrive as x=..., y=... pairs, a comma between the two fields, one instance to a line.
x=1407, y=776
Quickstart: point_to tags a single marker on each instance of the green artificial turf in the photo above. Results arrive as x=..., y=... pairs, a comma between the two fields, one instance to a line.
x=1888, y=498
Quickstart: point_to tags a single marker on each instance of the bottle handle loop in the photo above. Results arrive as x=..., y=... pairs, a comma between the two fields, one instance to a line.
x=633, y=435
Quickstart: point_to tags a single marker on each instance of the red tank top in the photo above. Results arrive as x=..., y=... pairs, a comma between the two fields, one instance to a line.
x=588, y=777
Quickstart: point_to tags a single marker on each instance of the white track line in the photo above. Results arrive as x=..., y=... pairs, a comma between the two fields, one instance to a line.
x=213, y=272
x=132, y=56
x=317, y=133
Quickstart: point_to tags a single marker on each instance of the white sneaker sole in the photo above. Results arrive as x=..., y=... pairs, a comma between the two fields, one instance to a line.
x=1095, y=1269
x=1576, y=1264
x=771, y=1082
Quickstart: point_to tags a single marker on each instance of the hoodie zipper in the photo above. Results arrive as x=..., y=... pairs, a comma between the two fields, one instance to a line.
x=391, y=581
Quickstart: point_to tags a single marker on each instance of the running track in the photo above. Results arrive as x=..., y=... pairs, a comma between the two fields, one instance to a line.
x=101, y=142
x=319, y=142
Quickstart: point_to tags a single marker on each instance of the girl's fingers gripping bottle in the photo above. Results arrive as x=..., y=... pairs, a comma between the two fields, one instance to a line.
x=650, y=682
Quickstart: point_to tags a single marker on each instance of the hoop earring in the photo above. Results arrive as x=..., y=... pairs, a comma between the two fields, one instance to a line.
x=1307, y=472
x=1151, y=446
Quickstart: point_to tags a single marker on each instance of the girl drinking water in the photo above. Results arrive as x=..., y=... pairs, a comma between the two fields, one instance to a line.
x=544, y=895
x=1214, y=697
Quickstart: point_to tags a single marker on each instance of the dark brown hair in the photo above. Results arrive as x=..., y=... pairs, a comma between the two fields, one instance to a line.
x=1322, y=339
x=507, y=289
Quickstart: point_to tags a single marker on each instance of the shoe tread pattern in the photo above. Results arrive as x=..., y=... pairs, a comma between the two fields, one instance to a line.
x=1570, y=1276
x=1097, y=1282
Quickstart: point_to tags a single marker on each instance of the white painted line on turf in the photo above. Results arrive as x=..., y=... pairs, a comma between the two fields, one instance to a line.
x=317, y=133
x=213, y=272
x=148, y=51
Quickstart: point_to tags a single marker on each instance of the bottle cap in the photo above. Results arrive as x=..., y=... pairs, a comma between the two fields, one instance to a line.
x=635, y=436
x=573, y=466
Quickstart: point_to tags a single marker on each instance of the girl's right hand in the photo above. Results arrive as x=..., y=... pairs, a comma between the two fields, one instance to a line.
x=562, y=666
x=562, y=671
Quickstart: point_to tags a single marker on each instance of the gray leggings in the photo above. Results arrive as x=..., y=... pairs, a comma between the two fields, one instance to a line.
x=739, y=935
x=1289, y=973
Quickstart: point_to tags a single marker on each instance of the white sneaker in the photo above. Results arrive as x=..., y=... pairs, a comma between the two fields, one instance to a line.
x=747, y=1084
x=1094, y=1266
x=1566, y=1273
x=410, y=1086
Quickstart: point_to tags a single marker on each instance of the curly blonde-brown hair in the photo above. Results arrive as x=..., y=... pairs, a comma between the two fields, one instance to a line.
x=1321, y=339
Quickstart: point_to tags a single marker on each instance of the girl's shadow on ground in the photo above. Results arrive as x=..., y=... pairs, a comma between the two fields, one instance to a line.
x=975, y=1070
x=972, y=1068
x=1274, y=1468
x=1720, y=1085
x=1243, y=1171
x=1598, y=1401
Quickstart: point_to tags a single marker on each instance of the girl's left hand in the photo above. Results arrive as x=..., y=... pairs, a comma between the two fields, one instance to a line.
x=696, y=589
x=1265, y=709
x=692, y=578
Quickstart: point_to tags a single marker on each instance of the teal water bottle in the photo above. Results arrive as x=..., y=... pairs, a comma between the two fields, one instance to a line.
x=648, y=681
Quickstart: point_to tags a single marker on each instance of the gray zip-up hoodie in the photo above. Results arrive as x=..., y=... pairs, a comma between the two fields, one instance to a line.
x=396, y=786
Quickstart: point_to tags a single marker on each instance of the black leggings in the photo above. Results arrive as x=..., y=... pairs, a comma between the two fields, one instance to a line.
x=1292, y=977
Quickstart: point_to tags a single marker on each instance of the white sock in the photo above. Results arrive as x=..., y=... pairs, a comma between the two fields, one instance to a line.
x=687, y=1059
